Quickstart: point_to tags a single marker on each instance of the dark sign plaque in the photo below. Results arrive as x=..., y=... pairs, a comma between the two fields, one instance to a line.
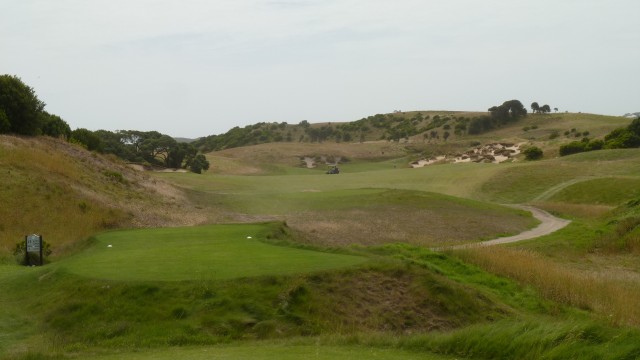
x=34, y=245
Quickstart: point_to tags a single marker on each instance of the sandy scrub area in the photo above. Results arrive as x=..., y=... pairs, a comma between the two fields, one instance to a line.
x=491, y=153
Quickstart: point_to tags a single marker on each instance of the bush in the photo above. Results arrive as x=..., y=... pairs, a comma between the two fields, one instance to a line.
x=573, y=147
x=533, y=153
x=21, y=249
x=622, y=138
x=594, y=145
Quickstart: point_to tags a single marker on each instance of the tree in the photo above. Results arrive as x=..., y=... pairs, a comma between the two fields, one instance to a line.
x=5, y=125
x=479, y=125
x=433, y=134
x=87, y=139
x=54, y=126
x=20, y=105
x=634, y=127
x=509, y=111
x=157, y=146
x=177, y=155
x=445, y=135
x=115, y=143
x=199, y=163
x=535, y=107
x=304, y=123
x=545, y=109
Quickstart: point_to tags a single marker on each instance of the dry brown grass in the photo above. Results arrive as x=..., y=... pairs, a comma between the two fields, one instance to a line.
x=605, y=292
x=67, y=194
x=397, y=302
x=250, y=160
x=389, y=224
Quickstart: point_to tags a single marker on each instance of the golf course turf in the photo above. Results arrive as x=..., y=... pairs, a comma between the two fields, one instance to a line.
x=198, y=253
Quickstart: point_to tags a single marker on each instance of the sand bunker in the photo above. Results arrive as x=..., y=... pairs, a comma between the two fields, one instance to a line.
x=312, y=162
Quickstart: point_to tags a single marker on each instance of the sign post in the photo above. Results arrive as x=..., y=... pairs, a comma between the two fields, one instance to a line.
x=34, y=245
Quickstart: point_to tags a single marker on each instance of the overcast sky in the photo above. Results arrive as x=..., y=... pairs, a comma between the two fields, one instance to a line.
x=193, y=68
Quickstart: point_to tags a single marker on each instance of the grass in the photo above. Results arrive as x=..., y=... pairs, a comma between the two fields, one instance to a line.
x=505, y=183
x=612, y=298
x=366, y=207
x=373, y=216
x=535, y=181
x=198, y=253
x=24, y=191
x=277, y=352
x=388, y=296
x=67, y=194
x=524, y=339
x=532, y=339
x=603, y=191
x=161, y=292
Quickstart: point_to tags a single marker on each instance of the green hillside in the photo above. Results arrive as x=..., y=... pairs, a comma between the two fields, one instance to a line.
x=546, y=131
x=420, y=127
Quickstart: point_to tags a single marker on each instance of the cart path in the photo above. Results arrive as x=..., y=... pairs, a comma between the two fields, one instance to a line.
x=561, y=186
x=548, y=224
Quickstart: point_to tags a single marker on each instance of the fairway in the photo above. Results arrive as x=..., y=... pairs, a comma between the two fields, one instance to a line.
x=198, y=253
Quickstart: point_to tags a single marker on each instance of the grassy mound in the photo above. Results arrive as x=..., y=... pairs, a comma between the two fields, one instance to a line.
x=393, y=296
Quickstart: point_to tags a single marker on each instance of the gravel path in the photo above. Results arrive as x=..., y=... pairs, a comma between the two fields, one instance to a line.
x=548, y=224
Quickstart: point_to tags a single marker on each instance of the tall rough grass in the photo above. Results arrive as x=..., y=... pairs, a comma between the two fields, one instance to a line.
x=602, y=292
x=625, y=237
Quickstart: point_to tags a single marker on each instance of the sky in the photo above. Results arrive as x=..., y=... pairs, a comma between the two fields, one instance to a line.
x=192, y=68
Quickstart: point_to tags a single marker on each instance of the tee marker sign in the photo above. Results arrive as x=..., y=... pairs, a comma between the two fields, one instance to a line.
x=34, y=245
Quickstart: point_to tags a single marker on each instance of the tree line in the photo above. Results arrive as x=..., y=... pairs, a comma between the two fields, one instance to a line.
x=544, y=109
x=22, y=113
x=394, y=127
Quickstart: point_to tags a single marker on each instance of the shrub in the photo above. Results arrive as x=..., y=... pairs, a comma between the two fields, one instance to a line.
x=622, y=138
x=594, y=145
x=114, y=176
x=21, y=249
x=573, y=147
x=533, y=153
